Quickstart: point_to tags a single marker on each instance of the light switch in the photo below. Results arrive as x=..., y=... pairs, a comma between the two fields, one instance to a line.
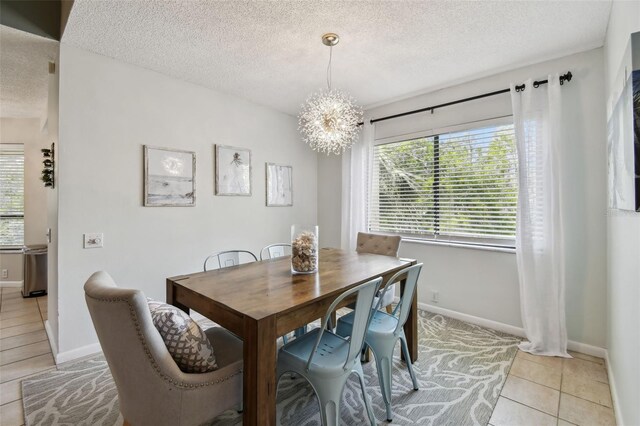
x=93, y=240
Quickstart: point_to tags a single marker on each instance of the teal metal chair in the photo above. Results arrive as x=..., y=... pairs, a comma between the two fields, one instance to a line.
x=327, y=360
x=384, y=332
x=273, y=251
x=227, y=258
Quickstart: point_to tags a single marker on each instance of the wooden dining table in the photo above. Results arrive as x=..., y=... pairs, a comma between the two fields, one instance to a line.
x=261, y=301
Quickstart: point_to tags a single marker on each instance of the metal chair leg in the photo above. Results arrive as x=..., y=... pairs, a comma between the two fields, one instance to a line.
x=405, y=351
x=365, y=396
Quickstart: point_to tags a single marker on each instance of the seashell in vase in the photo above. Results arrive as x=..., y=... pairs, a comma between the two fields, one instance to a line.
x=304, y=249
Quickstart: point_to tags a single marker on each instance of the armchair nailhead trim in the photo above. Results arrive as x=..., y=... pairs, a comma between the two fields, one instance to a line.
x=156, y=367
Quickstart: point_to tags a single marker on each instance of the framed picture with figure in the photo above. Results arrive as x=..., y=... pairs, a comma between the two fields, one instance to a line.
x=233, y=170
x=279, y=185
x=169, y=177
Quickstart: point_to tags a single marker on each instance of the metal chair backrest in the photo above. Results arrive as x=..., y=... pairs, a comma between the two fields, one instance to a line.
x=273, y=251
x=230, y=258
x=362, y=317
x=404, y=305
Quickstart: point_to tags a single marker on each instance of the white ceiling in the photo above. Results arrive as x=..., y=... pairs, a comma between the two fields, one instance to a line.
x=270, y=52
x=24, y=73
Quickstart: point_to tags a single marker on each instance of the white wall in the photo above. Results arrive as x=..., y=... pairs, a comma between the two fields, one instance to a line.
x=53, y=101
x=329, y=199
x=12, y=262
x=623, y=337
x=108, y=111
x=484, y=283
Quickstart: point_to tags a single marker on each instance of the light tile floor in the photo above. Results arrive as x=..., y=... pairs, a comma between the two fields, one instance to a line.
x=24, y=349
x=538, y=391
x=555, y=391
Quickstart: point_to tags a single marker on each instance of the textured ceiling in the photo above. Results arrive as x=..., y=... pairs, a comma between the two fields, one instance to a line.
x=24, y=73
x=270, y=52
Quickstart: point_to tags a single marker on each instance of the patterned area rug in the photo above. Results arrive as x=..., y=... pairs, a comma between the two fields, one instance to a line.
x=461, y=370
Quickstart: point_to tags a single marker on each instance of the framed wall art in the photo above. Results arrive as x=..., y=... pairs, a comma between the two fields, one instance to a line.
x=169, y=177
x=279, y=185
x=233, y=170
x=624, y=132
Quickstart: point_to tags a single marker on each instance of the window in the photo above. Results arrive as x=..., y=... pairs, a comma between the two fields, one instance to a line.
x=459, y=187
x=11, y=195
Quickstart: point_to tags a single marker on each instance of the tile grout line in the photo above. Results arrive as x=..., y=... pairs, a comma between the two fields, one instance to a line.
x=528, y=406
x=27, y=312
x=560, y=390
x=531, y=381
x=18, y=325
x=560, y=395
x=26, y=344
x=25, y=377
x=31, y=374
x=29, y=357
x=562, y=359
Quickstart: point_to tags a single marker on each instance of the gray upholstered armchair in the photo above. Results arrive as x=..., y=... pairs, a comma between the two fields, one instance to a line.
x=151, y=388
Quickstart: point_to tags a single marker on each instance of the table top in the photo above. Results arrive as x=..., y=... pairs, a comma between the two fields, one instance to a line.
x=261, y=289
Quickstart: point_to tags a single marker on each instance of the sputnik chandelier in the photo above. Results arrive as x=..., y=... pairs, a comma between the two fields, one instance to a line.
x=329, y=118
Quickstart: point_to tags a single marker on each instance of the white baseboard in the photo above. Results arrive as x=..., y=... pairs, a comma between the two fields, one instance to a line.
x=494, y=325
x=10, y=284
x=52, y=342
x=78, y=353
x=614, y=393
x=71, y=355
x=587, y=349
x=506, y=328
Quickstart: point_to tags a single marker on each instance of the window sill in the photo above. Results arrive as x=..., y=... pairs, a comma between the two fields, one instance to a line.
x=11, y=250
x=460, y=245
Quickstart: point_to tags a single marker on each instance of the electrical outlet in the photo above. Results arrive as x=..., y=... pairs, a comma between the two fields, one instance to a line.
x=435, y=296
x=5, y=273
x=93, y=240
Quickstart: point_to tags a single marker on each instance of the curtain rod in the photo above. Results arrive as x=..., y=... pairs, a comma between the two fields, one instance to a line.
x=519, y=88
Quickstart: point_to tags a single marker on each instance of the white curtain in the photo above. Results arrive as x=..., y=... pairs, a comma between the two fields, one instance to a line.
x=356, y=164
x=540, y=236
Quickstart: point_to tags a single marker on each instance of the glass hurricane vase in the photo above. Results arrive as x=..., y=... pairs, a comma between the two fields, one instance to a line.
x=304, y=249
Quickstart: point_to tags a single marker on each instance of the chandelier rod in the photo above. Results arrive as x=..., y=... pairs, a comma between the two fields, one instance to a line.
x=329, y=68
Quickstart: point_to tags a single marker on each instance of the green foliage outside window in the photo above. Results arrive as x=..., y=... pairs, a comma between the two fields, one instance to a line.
x=459, y=184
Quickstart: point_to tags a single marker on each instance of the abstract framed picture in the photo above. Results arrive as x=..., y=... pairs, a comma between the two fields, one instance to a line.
x=279, y=185
x=233, y=170
x=169, y=177
x=624, y=132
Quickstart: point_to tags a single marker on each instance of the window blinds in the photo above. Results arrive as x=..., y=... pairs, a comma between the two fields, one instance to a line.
x=459, y=186
x=11, y=198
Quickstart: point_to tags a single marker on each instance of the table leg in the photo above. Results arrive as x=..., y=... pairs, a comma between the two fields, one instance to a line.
x=259, y=376
x=411, y=326
x=333, y=323
x=171, y=299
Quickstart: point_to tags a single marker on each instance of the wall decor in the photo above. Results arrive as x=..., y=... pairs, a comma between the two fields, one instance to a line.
x=48, y=170
x=169, y=177
x=624, y=132
x=279, y=185
x=233, y=170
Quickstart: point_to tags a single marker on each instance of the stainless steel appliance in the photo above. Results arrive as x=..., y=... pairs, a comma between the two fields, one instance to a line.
x=35, y=270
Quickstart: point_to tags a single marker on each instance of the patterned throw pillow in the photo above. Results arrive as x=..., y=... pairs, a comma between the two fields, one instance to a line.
x=185, y=340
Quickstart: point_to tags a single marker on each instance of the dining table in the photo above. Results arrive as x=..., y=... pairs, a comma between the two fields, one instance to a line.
x=261, y=301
